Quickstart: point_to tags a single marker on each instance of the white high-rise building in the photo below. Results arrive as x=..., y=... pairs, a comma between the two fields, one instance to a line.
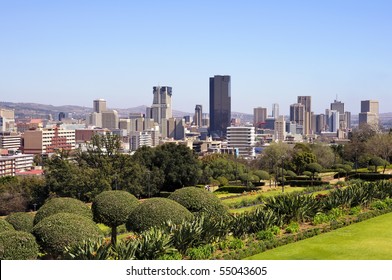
x=242, y=138
x=275, y=110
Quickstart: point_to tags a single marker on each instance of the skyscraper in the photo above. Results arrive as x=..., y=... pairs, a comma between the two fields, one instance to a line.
x=369, y=112
x=99, y=105
x=297, y=113
x=198, y=115
x=307, y=102
x=259, y=116
x=161, y=106
x=275, y=110
x=220, y=105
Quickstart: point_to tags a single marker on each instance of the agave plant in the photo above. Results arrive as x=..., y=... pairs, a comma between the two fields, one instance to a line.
x=89, y=250
x=153, y=244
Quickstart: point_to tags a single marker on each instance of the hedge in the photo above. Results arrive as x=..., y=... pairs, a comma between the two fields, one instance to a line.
x=18, y=245
x=371, y=176
x=154, y=212
x=236, y=189
x=57, y=231
x=5, y=226
x=22, y=221
x=300, y=178
x=304, y=183
x=199, y=200
x=63, y=205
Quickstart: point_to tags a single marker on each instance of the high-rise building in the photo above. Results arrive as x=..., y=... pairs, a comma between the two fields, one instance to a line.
x=297, y=113
x=275, y=110
x=99, y=105
x=198, y=119
x=161, y=106
x=242, y=138
x=259, y=116
x=369, y=112
x=333, y=120
x=110, y=119
x=280, y=129
x=307, y=102
x=220, y=105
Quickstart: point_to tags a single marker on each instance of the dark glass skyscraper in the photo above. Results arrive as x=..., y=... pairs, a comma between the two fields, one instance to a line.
x=220, y=105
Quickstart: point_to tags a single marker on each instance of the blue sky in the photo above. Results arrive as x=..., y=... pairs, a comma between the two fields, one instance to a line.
x=71, y=52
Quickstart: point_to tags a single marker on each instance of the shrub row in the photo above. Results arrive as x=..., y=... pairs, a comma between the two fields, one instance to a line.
x=304, y=183
x=236, y=189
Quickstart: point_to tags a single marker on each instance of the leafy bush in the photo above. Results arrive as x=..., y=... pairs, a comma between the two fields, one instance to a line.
x=112, y=208
x=320, y=218
x=265, y=235
x=201, y=253
x=57, y=231
x=18, y=245
x=235, y=244
x=156, y=211
x=222, y=181
x=199, y=200
x=293, y=227
x=5, y=226
x=379, y=205
x=62, y=205
x=355, y=210
x=22, y=221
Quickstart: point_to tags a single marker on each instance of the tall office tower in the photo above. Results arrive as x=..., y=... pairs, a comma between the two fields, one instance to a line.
x=280, y=129
x=110, y=119
x=297, y=114
x=320, y=123
x=161, y=106
x=220, y=105
x=369, y=112
x=333, y=120
x=99, y=105
x=307, y=102
x=205, y=121
x=198, y=115
x=275, y=110
x=347, y=119
x=259, y=116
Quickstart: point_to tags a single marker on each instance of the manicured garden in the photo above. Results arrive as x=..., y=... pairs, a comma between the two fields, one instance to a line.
x=368, y=240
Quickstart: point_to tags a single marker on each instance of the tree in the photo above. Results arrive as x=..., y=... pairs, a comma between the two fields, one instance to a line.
x=381, y=145
x=301, y=159
x=112, y=208
x=314, y=168
x=376, y=162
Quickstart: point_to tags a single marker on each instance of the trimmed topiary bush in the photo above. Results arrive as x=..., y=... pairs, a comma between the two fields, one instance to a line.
x=199, y=201
x=57, y=231
x=18, y=245
x=112, y=208
x=22, y=221
x=5, y=226
x=156, y=211
x=62, y=205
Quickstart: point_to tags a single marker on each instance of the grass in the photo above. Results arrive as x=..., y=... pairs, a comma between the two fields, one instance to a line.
x=368, y=240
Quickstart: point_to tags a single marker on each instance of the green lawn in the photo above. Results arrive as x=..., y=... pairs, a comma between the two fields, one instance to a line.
x=368, y=240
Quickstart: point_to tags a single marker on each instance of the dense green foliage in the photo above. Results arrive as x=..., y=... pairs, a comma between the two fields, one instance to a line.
x=18, y=245
x=57, y=231
x=198, y=200
x=155, y=212
x=22, y=221
x=62, y=205
x=112, y=208
x=5, y=226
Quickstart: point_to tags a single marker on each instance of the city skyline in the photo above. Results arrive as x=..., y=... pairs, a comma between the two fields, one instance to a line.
x=69, y=53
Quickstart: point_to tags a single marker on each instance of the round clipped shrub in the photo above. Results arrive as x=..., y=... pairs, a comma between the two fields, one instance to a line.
x=62, y=205
x=57, y=231
x=5, y=226
x=112, y=208
x=199, y=200
x=156, y=211
x=18, y=245
x=22, y=221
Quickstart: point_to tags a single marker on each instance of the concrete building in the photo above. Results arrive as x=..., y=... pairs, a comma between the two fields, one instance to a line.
x=99, y=105
x=198, y=119
x=10, y=165
x=243, y=139
x=7, y=120
x=297, y=114
x=280, y=129
x=275, y=110
x=307, y=102
x=110, y=119
x=45, y=141
x=369, y=112
x=161, y=106
x=259, y=116
x=220, y=105
x=10, y=141
x=139, y=139
x=333, y=120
